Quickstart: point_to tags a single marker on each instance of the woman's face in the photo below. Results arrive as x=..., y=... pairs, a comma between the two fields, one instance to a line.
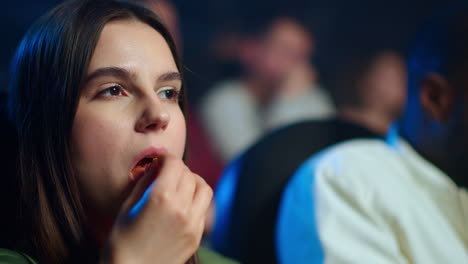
x=128, y=110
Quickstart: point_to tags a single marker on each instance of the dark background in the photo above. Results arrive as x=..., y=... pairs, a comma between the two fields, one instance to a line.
x=341, y=28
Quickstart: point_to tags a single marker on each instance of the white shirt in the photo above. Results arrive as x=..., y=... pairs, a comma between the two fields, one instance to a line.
x=365, y=201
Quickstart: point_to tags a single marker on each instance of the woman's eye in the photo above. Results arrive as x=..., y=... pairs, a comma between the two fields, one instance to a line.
x=112, y=91
x=169, y=93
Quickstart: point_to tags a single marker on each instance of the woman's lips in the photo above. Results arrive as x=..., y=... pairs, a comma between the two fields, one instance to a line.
x=143, y=160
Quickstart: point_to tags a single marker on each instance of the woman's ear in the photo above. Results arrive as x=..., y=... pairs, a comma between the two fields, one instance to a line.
x=437, y=97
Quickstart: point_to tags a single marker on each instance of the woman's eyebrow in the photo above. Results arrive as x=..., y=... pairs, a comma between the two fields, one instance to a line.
x=170, y=76
x=128, y=75
x=111, y=71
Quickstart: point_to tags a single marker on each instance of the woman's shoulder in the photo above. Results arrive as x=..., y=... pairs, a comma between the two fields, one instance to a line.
x=210, y=257
x=13, y=257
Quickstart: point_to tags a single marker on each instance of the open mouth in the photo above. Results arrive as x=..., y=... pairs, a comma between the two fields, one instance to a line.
x=145, y=162
x=139, y=170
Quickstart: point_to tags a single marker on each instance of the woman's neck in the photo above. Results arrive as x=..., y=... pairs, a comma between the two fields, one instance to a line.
x=100, y=228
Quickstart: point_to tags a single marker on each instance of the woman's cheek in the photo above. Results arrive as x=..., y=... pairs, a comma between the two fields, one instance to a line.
x=97, y=145
x=178, y=132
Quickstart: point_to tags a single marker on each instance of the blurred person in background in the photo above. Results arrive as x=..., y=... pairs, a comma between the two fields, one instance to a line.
x=279, y=86
x=370, y=89
x=400, y=201
x=248, y=196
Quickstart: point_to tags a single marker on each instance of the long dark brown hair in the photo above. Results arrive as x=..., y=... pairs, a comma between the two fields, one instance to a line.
x=46, y=80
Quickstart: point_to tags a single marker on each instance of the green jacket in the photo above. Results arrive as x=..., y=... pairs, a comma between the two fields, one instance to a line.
x=13, y=257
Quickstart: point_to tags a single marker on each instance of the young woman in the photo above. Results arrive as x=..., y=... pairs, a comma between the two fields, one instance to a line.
x=97, y=105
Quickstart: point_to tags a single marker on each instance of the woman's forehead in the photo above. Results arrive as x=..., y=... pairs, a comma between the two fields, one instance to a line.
x=132, y=44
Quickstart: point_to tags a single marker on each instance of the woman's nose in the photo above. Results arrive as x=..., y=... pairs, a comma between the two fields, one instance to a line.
x=154, y=116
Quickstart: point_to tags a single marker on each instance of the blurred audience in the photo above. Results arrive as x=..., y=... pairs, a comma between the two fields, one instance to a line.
x=371, y=201
x=278, y=86
x=371, y=89
x=249, y=192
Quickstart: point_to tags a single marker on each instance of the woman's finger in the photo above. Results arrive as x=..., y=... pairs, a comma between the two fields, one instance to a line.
x=201, y=199
x=171, y=171
x=186, y=190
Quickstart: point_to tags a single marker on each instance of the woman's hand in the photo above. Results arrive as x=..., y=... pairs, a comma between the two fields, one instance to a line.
x=169, y=226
